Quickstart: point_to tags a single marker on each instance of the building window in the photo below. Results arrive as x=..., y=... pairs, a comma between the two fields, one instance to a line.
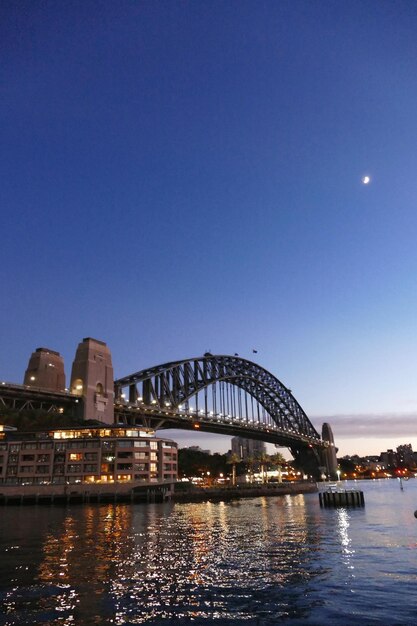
x=26, y=469
x=107, y=468
x=42, y=469
x=75, y=456
x=141, y=455
x=89, y=467
x=90, y=456
x=42, y=480
x=76, y=444
x=43, y=458
x=92, y=444
x=74, y=469
x=124, y=466
x=28, y=457
x=141, y=467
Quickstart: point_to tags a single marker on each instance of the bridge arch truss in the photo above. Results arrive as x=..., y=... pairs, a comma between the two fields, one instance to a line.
x=216, y=393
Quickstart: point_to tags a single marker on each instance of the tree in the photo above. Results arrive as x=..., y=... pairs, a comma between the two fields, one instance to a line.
x=233, y=460
x=263, y=459
x=250, y=462
x=277, y=460
x=195, y=462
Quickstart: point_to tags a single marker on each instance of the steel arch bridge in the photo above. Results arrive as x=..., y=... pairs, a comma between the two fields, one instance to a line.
x=220, y=394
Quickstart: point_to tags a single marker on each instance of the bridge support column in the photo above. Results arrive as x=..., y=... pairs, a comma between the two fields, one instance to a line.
x=92, y=379
x=329, y=453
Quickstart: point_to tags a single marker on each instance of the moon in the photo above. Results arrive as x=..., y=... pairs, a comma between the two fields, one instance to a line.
x=366, y=180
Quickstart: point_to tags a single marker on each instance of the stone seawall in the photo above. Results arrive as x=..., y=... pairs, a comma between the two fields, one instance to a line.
x=198, y=494
x=140, y=492
x=63, y=494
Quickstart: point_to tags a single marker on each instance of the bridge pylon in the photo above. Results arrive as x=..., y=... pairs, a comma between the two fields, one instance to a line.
x=92, y=379
x=45, y=370
x=329, y=453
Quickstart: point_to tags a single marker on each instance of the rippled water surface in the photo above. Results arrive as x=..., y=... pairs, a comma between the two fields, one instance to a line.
x=277, y=560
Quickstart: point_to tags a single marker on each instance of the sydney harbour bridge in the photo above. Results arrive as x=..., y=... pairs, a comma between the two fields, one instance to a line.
x=220, y=394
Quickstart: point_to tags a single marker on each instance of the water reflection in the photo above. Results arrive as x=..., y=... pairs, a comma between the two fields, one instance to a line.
x=343, y=523
x=208, y=560
x=121, y=564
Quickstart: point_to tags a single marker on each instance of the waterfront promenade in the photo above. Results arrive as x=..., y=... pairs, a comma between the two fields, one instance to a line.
x=242, y=491
x=143, y=492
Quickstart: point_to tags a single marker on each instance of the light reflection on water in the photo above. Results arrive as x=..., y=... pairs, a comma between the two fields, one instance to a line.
x=258, y=561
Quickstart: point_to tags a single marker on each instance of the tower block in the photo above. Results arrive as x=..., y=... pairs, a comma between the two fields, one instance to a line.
x=92, y=379
x=45, y=370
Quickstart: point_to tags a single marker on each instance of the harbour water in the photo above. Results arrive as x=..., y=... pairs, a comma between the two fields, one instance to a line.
x=276, y=560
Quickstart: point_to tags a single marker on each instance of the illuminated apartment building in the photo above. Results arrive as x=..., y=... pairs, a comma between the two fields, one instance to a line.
x=101, y=456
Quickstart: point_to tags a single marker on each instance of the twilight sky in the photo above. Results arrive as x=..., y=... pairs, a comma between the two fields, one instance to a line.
x=185, y=176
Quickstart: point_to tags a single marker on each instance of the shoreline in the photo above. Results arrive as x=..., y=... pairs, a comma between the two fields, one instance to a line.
x=244, y=491
x=93, y=494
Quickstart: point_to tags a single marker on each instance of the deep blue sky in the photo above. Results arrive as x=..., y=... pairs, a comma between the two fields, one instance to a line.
x=179, y=177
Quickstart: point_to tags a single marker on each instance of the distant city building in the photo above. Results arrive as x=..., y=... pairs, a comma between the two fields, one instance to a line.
x=245, y=448
x=86, y=456
x=389, y=458
x=405, y=455
x=197, y=449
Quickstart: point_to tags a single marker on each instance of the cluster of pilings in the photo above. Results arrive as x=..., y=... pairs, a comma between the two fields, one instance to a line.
x=341, y=498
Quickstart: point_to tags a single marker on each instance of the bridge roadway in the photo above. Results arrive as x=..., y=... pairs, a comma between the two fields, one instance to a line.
x=27, y=398
x=306, y=446
x=24, y=397
x=157, y=418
